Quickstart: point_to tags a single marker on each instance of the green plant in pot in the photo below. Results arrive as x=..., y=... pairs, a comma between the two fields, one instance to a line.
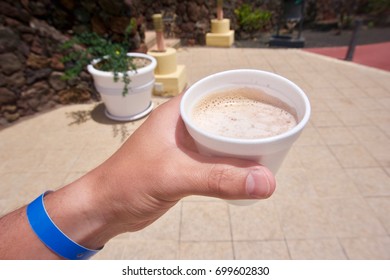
x=124, y=79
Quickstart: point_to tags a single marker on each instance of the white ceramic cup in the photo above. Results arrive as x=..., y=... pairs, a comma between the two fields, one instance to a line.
x=269, y=151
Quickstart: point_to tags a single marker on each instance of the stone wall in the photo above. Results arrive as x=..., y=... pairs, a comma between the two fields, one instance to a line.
x=30, y=67
x=31, y=33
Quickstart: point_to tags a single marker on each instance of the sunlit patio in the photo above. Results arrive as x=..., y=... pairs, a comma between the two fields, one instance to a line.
x=333, y=191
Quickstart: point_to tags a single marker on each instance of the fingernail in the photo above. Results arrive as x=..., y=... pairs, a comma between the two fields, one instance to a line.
x=258, y=183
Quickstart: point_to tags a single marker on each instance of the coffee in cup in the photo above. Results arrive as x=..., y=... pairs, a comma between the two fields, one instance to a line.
x=243, y=112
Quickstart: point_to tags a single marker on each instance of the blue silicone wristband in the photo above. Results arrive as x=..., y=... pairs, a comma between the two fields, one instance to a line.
x=52, y=236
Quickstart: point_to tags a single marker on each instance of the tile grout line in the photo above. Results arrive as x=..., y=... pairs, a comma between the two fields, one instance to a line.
x=180, y=229
x=231, y=232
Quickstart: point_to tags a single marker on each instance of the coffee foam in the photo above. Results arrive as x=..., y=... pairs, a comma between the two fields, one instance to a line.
x=246, y=113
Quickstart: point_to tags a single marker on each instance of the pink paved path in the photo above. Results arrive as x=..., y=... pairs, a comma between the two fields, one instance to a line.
x=373, y=55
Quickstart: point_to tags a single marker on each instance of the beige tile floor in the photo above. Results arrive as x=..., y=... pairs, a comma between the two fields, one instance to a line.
x=333, y=194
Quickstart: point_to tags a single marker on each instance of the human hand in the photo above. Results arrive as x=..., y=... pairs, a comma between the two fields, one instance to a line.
x=159, y=164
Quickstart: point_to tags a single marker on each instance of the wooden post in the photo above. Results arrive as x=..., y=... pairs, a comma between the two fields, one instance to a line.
x=220, y=9
x=159, y=28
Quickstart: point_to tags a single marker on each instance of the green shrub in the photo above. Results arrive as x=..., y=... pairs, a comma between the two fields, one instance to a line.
x=252, y=20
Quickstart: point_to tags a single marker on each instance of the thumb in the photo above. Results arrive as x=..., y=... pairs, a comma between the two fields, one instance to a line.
x=237, y=181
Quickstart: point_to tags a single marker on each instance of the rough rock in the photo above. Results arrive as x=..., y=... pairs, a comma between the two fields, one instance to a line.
x=36, y=90
x=16, y=80
x=8, y=40
x=56, y=81
x=37, y=61
x=38, y=8
x=14, y=11
x=35, y=75
x=11, y=117
x=9, y=108
x=2, y=80
x=74, y=95
x=6, y=96
x=10, y=63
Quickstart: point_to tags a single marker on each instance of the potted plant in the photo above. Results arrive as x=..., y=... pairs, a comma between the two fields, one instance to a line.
x=124, y=80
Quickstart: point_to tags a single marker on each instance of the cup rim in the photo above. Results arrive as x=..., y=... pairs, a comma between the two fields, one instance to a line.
x=295, y=130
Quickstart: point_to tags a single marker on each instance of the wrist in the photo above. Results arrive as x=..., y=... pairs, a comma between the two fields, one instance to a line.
x=79, y=212
x=51, y=236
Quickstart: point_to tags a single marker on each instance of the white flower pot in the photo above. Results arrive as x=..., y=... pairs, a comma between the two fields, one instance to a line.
x=137, y=103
